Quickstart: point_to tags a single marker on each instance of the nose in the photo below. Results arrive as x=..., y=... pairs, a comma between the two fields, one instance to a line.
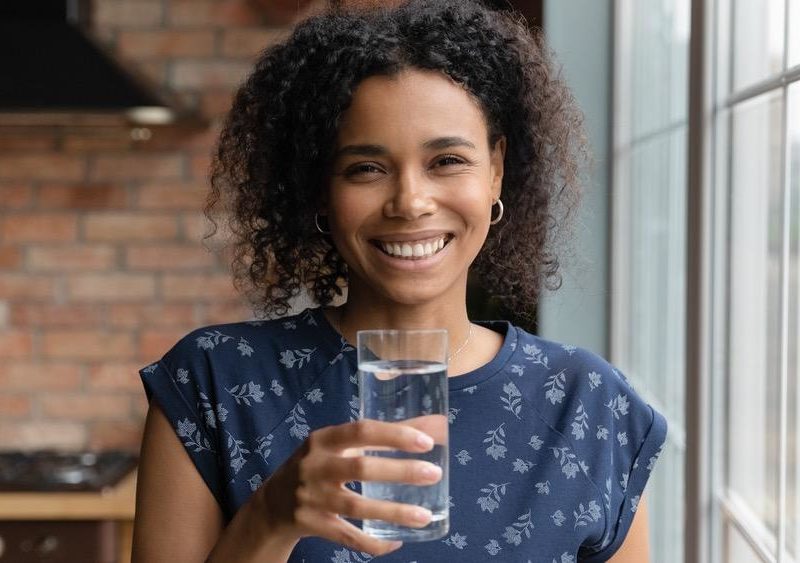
x=411, y=197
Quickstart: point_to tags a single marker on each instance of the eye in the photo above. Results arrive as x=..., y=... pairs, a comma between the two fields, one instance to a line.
x=450, y=160
x=361, y=169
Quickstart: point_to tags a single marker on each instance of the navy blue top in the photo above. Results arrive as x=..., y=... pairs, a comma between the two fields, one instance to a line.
x=550, y=446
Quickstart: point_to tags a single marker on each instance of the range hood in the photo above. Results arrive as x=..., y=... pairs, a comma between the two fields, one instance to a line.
x=52, y=71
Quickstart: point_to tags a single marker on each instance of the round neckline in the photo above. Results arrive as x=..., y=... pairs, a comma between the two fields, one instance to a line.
x=337, y=344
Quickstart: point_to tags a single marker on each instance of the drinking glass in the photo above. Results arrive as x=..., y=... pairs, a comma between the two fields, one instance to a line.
x=403, y=379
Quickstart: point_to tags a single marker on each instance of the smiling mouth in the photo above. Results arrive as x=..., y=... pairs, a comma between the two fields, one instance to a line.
x=414, y=250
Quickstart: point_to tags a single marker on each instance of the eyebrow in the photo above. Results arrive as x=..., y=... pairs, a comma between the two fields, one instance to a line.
x=379, y=150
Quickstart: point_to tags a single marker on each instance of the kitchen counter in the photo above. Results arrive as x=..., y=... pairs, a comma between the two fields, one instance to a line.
x=114, y=504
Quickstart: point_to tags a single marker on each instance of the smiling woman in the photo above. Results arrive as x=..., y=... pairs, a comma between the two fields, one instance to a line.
x=385, y=153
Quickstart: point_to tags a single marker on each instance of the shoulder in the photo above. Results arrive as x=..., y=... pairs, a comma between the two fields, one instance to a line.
x=583, y=396
x=564, y=370
x=253, y=339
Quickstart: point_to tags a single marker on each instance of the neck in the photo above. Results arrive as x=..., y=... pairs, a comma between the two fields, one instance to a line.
x=363, y=312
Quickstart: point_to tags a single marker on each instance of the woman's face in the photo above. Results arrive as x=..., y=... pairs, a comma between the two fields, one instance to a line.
x=412, y=187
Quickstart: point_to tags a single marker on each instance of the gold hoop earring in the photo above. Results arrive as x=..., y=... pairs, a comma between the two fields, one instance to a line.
x=320, y=229
x=496, y=220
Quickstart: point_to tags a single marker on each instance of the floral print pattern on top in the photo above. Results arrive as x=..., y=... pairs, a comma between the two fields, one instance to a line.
x=550, y=446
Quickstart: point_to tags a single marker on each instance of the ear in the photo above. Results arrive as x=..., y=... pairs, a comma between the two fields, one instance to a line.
x=497, y=157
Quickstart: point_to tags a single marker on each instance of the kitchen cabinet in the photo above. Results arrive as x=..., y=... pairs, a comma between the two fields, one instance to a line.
x=112, y=509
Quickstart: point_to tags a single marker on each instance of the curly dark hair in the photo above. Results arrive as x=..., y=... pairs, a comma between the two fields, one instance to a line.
x=272, y=161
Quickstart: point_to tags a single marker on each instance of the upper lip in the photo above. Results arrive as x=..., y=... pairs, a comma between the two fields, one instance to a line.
x=407, y=237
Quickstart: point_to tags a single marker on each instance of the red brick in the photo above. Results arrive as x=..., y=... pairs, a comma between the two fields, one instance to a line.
x=26, y=139
x=124, y=13
x=14, y=405
x=15, y=344
x=87, y=344
x=222, y=13
x=42, y=166
x=125, y=227
x=97, y=139
x=196, y=227
x=215, y=103
x=249, y=42
x=82, y=197
x=10, y=257
x=51, y=315
x=139, y=406
x=126, y=315
x=231, y=312
x=172, y=257
x=137, y=167
x=116, y=434
x=15, y=196
x=166, y=43
x=118, y=376
x=183, y=138
x=199, y=75
x=154, y=343
x=42, y=434
x=39, y=376
x=85, y=407
x=39, y=227
x=210, y=287
x=200, y=166
x=111, y=287
x=70, y=258
x=23, y=286
x=173, y=195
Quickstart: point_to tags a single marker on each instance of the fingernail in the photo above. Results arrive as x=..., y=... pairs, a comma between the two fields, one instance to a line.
x=430, y=471
x=393, y=545
x=424, y=441
x=421, y=515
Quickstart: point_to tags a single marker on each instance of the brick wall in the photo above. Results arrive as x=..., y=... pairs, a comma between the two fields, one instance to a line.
x=102, y=267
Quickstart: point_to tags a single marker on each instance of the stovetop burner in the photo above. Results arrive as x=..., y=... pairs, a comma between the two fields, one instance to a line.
x=60, y=471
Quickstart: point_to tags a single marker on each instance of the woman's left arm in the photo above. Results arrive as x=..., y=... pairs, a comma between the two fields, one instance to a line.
x=636, y=547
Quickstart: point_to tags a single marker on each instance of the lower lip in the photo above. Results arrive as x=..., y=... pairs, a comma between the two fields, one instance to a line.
x=415, y=265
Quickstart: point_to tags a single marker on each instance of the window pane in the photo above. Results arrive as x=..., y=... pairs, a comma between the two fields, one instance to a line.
x=753, y=367
x=737, y=550
x=757, y=40
x=794, y=32
x=657, y=275
x=659, y=60
x=793, y=473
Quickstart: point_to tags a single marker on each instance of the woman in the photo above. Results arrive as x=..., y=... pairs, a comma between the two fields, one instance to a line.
x=384, y=153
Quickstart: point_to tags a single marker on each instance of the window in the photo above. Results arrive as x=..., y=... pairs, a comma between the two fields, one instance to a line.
x=648, y=234
x=756, y=117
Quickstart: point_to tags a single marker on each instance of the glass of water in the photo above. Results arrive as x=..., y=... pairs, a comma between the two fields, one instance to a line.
x=403, y=379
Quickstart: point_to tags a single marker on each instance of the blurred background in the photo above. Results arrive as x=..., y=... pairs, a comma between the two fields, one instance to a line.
x=684, y=268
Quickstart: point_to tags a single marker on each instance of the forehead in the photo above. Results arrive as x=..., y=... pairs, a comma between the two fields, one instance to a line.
x=413, y=104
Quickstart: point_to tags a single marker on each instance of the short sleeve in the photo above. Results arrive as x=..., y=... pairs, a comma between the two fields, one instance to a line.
x=629, y=435
x=182, y=389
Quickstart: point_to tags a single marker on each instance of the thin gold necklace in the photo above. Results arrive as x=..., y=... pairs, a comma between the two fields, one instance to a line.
x=457, y=352
x=338, y=325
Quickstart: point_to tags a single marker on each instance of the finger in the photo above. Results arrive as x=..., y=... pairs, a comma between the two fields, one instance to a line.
x=373, y=468
x=365, y=433
x=434, y=425
x=329, y=526
x=352, y=505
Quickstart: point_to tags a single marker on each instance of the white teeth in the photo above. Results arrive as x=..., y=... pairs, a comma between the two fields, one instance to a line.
x=415, y=250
